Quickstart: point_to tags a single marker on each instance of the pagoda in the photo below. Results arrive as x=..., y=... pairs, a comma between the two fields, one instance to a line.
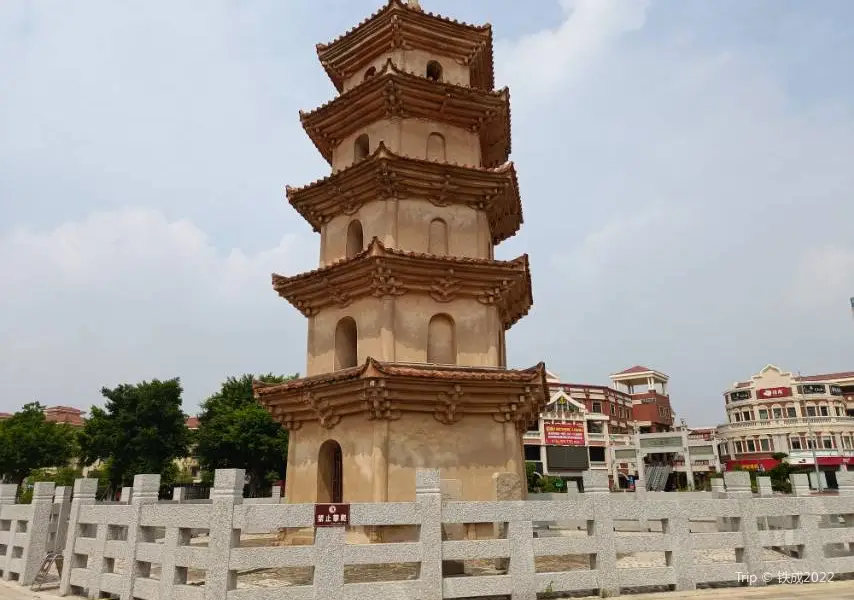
x=408, y=310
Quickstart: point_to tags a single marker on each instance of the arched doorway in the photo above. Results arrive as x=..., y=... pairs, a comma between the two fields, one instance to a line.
x=330, y=473
x=346, y=344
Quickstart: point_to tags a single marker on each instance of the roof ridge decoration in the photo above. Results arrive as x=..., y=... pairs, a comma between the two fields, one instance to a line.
x=401, y=25
x=386, y=389
x=380, y=271
x=389, y=175
x=389, y=93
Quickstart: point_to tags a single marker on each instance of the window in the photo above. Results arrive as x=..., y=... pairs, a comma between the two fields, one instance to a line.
x=795, y=443
x=838, y=411
x=355, y=239
x=827, y=443
x=346, y=344
x=613, y=409
x=822, y=410
x=810, y=411
x=532, y=453
x=846, y=441
x=437, y=242
x=791, y=412
x=746, y=416
x=597, y=454
x=777, y=412
x=441, y=341
x=361, y=148
x=765, y=445
x=436, y=148
x=763, y=414
x=811, y=444
x=738, y=447
x=751, y=446
x=434, y=71
x=738, y=417
x=597, y=407
x=370, y=73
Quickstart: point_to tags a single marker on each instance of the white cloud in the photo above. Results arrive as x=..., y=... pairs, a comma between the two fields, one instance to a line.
x=129, y=295
x=555, y=56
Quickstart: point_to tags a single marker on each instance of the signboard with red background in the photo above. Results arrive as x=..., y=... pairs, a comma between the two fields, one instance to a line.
x=564, y=434
x=331, y=515
x=775, y=392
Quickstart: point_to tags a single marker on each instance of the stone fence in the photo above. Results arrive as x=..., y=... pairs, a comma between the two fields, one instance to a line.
x=144, y=549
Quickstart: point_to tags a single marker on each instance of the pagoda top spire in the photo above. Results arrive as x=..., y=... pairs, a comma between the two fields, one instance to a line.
x=403, y=24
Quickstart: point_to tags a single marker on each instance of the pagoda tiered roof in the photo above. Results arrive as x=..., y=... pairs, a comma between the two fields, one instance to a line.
x=385, y=390
x=379, y=272
x=399, y=25
x=393, y=92
x=386, y=175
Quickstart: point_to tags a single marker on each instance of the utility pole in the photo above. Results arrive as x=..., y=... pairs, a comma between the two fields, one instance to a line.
x=810, y=431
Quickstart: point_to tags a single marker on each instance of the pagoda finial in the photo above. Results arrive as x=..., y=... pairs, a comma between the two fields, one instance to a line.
x=414, y=4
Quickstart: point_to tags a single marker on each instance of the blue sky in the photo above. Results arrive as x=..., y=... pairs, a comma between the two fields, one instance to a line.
x=686, y=172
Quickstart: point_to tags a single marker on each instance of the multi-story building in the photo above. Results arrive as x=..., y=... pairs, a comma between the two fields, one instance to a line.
x=647, y=388
x=809, y=418
x=617, y=430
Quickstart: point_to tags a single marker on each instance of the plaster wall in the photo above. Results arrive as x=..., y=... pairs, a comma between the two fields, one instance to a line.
x=472, y=450
x=408, y=137
x=395, y=329
x=414, y=61
x=404, y=224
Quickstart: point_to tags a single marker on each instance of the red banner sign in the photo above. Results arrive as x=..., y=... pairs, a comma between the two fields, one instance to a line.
x=331, y=515
x=564, y=434
x=775, y=392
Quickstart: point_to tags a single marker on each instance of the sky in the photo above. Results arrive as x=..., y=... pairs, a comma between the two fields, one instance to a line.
x=685, y=170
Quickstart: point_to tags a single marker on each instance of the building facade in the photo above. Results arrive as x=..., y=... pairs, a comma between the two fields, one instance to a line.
x=809, y=418
x=597, y=427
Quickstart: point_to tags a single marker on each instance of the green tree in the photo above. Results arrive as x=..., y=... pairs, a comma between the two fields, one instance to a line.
x=29, y=442
x=235, y=432
x=141, y=429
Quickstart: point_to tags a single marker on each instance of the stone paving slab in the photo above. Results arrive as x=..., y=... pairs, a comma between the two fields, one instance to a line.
x=838, y=590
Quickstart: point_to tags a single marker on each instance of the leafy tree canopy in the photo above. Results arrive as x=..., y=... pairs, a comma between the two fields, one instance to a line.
x=235, y=432
x=141, y=429
x=29, y=442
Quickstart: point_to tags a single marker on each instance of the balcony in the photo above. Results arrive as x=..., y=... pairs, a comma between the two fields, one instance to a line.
x=791, y=422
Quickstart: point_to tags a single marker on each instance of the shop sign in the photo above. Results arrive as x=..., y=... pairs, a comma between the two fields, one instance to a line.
x=775, y=392
x=835, y=390
x=812, y=388
x=564, y=434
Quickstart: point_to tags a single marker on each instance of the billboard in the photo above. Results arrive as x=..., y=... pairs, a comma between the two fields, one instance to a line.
x=564, y=434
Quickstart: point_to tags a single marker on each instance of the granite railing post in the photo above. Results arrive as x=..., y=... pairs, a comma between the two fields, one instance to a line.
x=801, y=484
x=8, y=492
x=62, y=511
x=126, y=494
x=738, y=488
x=145, y=490
x=226, y=493
x=641, y=496
x=845, y=482
x=429, y=497
x=764, y=484
x=604, y=562
x=84, y=493
x=719, y=492
x=681, y=556
x=38, y=531
x=276, y=494
x=179, y=494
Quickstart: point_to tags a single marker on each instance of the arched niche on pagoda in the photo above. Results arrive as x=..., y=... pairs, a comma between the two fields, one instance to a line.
x=411, y=225
x=414, y=61
x=408, y=137
x=399, y=330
